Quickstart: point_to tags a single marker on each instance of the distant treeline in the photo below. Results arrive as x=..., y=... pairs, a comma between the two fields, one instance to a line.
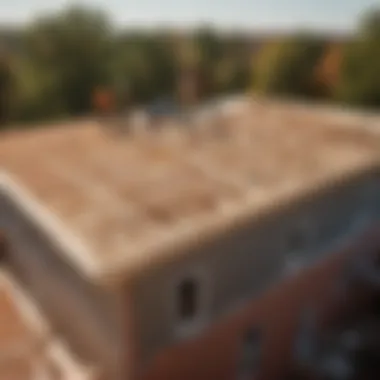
x=52, y=67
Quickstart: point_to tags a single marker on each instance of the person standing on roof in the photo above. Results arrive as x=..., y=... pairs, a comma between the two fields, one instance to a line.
x=103, y=101
x=106, y=105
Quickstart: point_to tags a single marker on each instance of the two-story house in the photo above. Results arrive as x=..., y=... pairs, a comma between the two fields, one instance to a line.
x=154, y=254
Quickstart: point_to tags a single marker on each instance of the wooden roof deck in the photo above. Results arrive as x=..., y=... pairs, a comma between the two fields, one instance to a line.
x=20, y=344
x=124, y=197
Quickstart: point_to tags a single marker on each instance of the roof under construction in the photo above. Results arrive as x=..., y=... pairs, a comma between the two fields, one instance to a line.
x=21, y=343
x=128, y=201
x=29, y=348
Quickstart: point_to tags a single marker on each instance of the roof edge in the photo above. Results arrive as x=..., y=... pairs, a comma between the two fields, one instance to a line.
x=185, y=238
x=51, y=226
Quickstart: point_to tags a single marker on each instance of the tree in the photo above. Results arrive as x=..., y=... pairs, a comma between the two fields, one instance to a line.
x=286, y=67
x=327, y=71
x=6, y=88
x=210, y=50
x=231, y=75
x=189, y=75
x=75, y=47
x=36, y=91
x=370, y=24
x=240, y=48
x=360, y=81
x=147, y=64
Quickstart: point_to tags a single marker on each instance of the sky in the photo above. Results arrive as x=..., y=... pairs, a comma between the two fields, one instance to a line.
x=340, y=15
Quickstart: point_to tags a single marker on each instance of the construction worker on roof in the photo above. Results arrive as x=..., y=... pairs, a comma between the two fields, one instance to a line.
x=103, y=101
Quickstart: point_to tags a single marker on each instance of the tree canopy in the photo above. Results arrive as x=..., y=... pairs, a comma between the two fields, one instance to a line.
x=52, y=67
x=360, y=79
x=286, y=67
x=74, y=48
x=6, y=88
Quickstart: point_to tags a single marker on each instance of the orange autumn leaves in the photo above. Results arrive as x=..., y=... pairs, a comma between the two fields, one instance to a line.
x=298, y=66
x=103, y=100
x=327, y=71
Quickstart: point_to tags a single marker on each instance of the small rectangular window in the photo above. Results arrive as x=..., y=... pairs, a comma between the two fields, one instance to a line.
x=3, y=246
x=297, y=241
x=306, y=339
x=191, y=301
x=188, y=299
x=251, y=354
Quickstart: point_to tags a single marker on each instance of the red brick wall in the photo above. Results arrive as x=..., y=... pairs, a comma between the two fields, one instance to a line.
x=213, y=356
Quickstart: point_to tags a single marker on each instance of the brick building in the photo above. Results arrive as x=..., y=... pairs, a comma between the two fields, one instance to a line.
x=152, y=255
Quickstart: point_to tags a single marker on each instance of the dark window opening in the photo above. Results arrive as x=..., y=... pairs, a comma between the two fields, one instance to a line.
x=296, y=241
x=3, y=246
x=251, y=354
x=188, y=299
x=377, y=259
x=306, y=342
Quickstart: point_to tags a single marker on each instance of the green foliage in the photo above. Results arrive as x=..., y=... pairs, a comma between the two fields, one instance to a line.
x=59, y=60
x=7, y=85
x=231, y=76
x=146, y=64
x=286, y=67
x=36, y=92
x=73, y=49
x=360, y=79
x=370, y=25
x=210, y=48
